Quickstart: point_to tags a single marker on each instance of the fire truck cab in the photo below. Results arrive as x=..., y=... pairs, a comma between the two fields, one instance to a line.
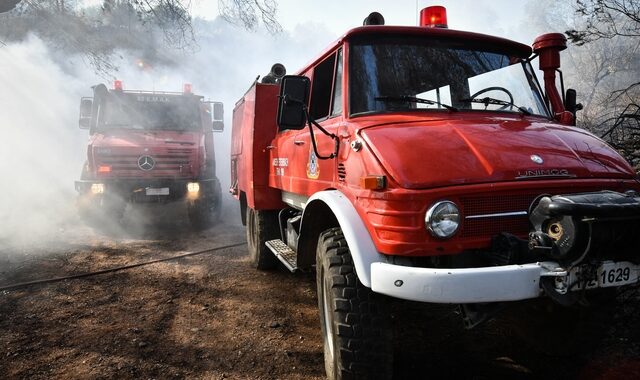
x=149, y=147
x=429, y=164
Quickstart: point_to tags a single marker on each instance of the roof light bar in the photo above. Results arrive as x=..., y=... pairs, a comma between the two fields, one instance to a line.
x=434, y=17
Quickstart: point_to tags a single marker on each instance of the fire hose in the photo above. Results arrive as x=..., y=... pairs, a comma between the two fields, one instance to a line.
x=115, y=269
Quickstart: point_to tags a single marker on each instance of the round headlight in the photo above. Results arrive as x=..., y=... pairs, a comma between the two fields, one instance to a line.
x=443, y=219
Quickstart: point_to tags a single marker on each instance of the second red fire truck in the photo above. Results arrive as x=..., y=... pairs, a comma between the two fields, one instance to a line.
x=149, y=147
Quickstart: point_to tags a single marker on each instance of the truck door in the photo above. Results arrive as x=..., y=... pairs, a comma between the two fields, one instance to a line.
x=295, y=165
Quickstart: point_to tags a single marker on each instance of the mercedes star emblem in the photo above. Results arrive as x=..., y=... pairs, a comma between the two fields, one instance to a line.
x=146, y=163
x=537, y=159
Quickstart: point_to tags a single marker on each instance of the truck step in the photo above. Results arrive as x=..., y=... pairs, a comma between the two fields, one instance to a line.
x=284, y=253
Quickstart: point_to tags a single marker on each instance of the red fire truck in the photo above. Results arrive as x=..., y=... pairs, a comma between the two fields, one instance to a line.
x=151, y=147
x=429, y=164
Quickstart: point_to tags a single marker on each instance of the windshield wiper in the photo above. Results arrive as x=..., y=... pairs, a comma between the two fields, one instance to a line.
x=414, y=99
x=489, y=100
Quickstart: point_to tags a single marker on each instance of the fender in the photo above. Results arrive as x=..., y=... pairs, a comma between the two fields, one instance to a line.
x=363, y=251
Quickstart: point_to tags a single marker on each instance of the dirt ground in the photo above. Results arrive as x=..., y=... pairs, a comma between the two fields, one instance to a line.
x=212, y=316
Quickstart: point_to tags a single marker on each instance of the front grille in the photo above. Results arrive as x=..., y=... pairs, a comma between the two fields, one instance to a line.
x=484, y=204
x=516, y=225
x=173, y=163
x=492, y=204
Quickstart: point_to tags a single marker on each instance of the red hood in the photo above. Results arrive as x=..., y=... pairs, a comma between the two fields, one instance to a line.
x=421, y=154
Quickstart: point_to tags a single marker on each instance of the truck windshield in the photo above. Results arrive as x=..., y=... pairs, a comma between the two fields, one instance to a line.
x=150, y=111
x=404, y=73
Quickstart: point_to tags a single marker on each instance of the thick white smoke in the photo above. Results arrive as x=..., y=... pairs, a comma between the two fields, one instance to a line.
x=43, y=149
x=41, y=145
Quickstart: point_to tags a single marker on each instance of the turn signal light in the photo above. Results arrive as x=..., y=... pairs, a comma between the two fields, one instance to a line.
x=373, y=182
x=104, y=169
x=434, y=17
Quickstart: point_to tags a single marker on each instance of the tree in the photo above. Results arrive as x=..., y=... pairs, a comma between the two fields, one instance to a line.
x=7, y=5
x=141, y=25
x=248, y=13
x=613, y=27
x=608, y=20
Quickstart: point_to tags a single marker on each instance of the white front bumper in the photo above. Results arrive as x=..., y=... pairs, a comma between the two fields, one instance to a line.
x=467, y=285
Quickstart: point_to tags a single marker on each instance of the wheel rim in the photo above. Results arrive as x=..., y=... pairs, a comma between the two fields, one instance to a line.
x=326, y=321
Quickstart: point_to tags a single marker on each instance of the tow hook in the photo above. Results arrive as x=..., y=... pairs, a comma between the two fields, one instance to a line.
x=550, y=287
x=558, y=288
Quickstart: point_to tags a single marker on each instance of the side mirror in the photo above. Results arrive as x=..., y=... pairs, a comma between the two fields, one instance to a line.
x=218, y=111
x=570, y=102
x=218, y=117
x=294, y=94
x=85, y=113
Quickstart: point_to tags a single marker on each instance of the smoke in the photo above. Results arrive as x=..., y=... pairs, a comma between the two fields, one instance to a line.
x=43, y=150
x=41, y=146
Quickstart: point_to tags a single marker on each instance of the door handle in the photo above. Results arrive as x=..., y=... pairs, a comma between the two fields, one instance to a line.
x=298, y=142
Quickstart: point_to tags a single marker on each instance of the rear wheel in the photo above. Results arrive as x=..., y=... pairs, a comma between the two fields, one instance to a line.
x=354, y=320
x=262, y=226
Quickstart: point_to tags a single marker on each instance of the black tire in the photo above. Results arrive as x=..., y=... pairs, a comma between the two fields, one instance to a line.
x=103, y=211
x=262, y=226
x=113, y=206
x=88, y=209
x=204, y=213
x=358, y=339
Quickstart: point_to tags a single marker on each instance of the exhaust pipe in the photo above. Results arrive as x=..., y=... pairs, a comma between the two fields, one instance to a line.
x=277, y=72
x=548, y=47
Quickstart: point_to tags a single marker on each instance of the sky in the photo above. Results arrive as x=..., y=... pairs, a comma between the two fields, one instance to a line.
x=502, y=18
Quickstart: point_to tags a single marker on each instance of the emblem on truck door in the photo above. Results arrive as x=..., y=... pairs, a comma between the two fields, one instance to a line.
x=313, y=171
x=146, y=163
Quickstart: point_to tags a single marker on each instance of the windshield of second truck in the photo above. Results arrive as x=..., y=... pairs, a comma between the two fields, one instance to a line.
x=150, y=112
x=404, y=73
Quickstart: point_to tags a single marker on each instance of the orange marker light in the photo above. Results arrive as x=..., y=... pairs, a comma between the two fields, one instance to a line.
x=104, y=169
x=373, y=182
x=434, y=17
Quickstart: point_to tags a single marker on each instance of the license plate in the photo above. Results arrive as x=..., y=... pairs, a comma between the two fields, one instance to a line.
x=608, y=274
x=160, y=191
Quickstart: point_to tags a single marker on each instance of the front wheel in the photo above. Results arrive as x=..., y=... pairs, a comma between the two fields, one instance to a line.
x=204, y=213
x=354, y=320
x=101, y=211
